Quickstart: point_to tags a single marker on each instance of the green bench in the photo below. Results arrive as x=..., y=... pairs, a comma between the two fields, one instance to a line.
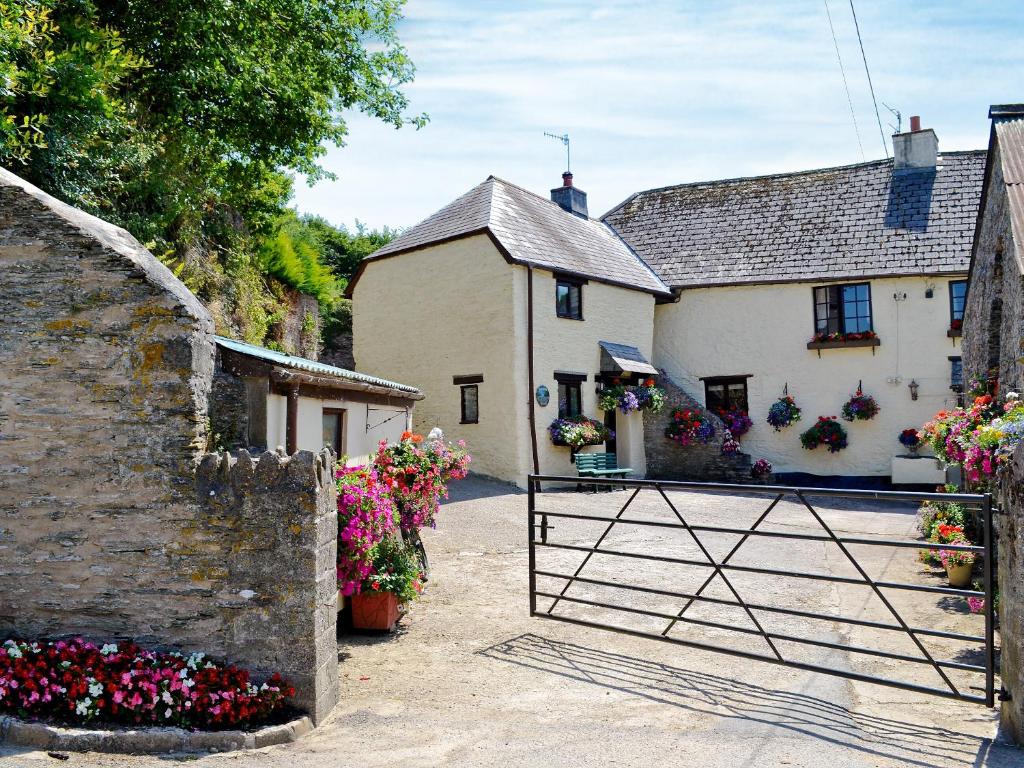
x=599, y=465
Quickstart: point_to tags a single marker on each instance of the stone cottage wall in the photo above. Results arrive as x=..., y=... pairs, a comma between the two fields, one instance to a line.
x=1009, y=527
x=667, y=460
x=107, y=364
x=262, y=550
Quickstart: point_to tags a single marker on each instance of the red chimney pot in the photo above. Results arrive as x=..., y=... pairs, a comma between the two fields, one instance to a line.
x=567, y=179
x=915, y=123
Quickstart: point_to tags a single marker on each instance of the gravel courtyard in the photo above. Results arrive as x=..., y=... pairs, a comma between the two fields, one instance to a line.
x=471, y=680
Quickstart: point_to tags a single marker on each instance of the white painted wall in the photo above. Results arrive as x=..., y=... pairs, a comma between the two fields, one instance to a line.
x=763, y=330
x=359, y=442
x=459, y=309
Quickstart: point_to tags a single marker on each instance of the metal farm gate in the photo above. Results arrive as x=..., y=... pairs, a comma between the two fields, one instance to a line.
x=567, y=589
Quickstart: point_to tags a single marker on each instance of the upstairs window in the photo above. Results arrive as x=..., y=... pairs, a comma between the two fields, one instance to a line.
x=842, y=308
x=569, y=298
x=957, y=294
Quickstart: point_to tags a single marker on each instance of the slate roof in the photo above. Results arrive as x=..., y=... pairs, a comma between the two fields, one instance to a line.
x=529, y=229
x=312, y=366
x=854, y=221
x=624, y=358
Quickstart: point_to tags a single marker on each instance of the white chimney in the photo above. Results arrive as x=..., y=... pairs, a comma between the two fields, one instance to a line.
x=916, y=150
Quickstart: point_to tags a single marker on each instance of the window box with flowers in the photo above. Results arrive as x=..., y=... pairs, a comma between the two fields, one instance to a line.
x=956, y=329
x=578, y=431
x=839, y=340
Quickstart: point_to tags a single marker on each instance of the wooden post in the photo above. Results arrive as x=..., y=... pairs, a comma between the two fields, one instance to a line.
x=292, y=422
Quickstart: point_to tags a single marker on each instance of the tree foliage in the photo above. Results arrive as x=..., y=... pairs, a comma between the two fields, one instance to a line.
x=183, y=122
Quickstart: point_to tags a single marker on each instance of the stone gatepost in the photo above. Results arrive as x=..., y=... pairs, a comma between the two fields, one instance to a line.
x=274, y=521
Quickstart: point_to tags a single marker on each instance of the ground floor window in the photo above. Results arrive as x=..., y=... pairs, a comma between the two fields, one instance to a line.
x=334, y=430
x=726, y=393
x=470, y=408
x=570, y=393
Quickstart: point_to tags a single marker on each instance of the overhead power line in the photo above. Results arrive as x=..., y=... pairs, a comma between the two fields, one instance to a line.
x=846, y=86
x=885, y=145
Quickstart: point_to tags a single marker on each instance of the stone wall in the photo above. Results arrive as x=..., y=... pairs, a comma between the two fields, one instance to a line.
x=263, y=547
x=667, y=460
x=1009, y=527
x=107, y=364
x=994, y=314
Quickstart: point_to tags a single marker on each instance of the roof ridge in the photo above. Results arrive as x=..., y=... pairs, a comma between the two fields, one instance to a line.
x=530, y=192
x=781, y=175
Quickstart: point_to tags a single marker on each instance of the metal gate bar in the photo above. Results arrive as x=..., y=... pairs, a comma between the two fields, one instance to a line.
x=979, y=502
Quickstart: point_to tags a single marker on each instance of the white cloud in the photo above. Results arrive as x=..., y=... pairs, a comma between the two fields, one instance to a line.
x=657, y=93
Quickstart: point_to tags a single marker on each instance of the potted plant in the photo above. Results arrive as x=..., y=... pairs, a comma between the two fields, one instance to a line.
x=911, y=440
x=783, y=412
x=958, y=564
x=860, y=407
x=689, y=426
x=826, y=431
x=396, y=580
x=761, y=469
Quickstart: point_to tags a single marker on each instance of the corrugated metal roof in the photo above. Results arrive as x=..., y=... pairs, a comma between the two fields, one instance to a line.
x=1010, y=135
x=310, y=366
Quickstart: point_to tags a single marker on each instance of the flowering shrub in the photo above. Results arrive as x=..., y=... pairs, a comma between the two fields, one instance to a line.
x=910, y=438
x=976, y=604
x=932, y=514
x=736, y=421
x=761, y=468
x=417, y=474
x=783, y=412
x=690, y=426
x=77, y=682
x=822, y=337
x=577, y=431
x=396, y=569
x=366, y=515
x=729, y=445
x=642, y=397
x=826, y=431
x=981, y=438
x=860, y=407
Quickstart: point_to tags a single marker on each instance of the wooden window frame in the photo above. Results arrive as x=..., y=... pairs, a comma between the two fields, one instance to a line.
x=714, y=381
x=462, y=403
x=952, y=331
x=841, y=308
x=571, y=283
x=339, y=429
x=569, y=381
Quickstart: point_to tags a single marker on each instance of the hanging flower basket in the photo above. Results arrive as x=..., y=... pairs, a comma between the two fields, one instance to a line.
x=627, y=398
x=860, y=407
x=826, y=431
x=736, y=421
x=578, y=431
x=690, y=426
x=783, y=412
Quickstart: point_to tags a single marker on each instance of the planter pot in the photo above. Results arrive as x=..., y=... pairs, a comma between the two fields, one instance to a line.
x=375, y=610
x=959, y=575
x=914, y=449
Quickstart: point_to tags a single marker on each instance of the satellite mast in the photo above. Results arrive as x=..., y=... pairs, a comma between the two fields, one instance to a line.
x=564, y=138
x=899, y=118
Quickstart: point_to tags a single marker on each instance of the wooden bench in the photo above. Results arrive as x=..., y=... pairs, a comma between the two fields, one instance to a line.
x=599, y=465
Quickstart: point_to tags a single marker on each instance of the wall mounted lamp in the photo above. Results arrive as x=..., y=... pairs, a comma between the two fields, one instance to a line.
x=913, y=389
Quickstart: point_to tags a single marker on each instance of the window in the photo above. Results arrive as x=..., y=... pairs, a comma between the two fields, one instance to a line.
x=570, y=393
x=469, y=397
x=957, y=294
x=956, y=375
x=470, y=404
x=726, y=393
x=334, y=430
x=569, y=299
x=842, y=308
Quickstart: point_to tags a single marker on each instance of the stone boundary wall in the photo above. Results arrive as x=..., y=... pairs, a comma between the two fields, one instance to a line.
x=264, y=543
x=667, y=460
x=1009, y=531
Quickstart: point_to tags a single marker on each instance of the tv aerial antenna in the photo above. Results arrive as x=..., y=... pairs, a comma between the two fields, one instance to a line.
x=899, y=118
x=564, y=138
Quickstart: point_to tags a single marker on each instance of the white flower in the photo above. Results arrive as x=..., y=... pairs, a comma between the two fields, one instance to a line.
x=108, y=649
x=167, y=698
x=168, y=713
x=83, y=707
x=1013, y=396
x=65, y=664
x=95, y=689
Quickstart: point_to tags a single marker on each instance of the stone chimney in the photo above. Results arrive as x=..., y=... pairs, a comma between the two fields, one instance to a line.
x=916, y=150
x=569, y=198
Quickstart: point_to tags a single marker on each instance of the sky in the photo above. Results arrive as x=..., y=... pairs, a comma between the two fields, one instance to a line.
x=657, y=93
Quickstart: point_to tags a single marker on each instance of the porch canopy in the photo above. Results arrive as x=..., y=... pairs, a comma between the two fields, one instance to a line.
x=622, y=358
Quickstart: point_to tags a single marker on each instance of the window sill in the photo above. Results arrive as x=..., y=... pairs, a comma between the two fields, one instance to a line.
x=842, y=344
x=955, y=333
x=569, y=317
x=469, y=422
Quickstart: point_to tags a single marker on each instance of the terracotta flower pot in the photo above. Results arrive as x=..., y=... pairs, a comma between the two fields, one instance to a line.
x=959, y=575
x=375, y=610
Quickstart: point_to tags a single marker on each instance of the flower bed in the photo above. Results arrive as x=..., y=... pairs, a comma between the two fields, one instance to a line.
x=642, y=397
x=75, y=681
x=826, y=431
x=578, y=431
x=689, y=426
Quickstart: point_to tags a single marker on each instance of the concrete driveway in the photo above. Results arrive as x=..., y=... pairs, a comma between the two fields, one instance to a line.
x=472, y=680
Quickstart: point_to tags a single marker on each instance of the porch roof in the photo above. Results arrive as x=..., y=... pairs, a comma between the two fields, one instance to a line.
x=624, y=358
